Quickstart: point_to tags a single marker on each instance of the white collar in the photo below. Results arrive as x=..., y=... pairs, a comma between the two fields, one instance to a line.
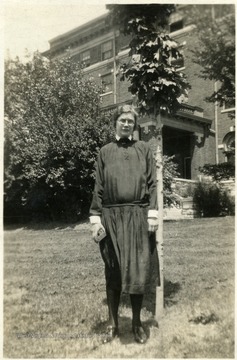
x=118, y=137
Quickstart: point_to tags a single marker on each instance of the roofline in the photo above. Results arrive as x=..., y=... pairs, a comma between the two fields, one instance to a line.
x=200, y=119
x=74, y=30
x=194, y=117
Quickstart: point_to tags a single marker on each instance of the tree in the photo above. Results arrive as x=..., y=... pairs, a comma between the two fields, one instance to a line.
x=153, y=77
x=53, y=131
x=215, y=53
x=155, y=82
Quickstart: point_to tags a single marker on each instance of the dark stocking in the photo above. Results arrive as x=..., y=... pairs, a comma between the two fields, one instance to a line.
x=113, y=298
x=136, y=302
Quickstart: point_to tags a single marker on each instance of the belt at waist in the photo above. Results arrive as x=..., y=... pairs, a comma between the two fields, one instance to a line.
x=139, y=203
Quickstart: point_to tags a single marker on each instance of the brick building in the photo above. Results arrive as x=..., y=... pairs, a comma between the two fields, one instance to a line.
x=199, y=133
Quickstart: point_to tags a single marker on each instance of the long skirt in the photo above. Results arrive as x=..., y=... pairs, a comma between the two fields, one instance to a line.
x=127, y=249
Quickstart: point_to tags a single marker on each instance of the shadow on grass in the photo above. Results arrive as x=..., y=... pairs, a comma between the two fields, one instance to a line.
x=125, y=329
x=149, y=301
x=170, y=290
x=44, y=225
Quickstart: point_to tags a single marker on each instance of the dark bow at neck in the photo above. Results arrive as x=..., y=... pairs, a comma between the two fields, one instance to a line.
x=123, y=141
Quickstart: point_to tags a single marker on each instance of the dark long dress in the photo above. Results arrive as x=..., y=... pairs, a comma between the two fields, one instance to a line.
x=125, y=189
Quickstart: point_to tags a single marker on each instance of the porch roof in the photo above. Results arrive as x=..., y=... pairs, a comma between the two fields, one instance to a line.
x=192, y=116
x=188, y=113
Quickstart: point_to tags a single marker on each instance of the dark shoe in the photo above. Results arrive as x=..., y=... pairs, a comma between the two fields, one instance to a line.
x=111, y=333
x=139, y=334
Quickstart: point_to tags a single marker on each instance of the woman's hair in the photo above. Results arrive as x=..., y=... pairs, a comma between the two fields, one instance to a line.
x=125, y=109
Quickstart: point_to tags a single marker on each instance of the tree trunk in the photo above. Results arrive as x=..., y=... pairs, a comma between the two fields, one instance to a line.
x=159, y=233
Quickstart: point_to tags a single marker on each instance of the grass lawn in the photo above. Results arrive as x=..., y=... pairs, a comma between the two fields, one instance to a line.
x=54, y=295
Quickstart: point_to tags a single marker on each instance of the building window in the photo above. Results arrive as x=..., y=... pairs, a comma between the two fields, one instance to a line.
x=86, y=57
x=176, y=26
x=107, y=50
x=187, y=168
x=107, y=83
x=179, y=63
x=228, y=105
x=176, y=22
x=229, y=146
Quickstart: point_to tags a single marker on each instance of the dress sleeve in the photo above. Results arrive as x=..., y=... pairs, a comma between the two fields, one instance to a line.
x=151, y=180
x=96, y=204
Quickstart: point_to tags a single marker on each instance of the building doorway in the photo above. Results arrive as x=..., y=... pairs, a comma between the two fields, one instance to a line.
x=178, y=143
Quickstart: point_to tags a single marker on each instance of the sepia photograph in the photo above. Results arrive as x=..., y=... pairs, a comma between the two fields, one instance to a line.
x=118, y=179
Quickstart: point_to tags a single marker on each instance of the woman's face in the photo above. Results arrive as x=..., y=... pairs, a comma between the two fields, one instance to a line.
x=125, y=125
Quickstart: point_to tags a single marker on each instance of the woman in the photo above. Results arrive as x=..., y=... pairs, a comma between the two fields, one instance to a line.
x=124, y=206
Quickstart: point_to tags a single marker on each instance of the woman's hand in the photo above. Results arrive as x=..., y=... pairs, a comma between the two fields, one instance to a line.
x=152, y=224
x=96, y=229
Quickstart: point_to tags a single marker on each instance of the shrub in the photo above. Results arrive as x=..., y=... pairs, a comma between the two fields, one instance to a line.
x=223, y=171
x=53, y=132
x=169, y=173
x=210, y=201
x=228, y=204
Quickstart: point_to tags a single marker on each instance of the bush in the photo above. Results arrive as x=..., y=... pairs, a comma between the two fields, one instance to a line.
x=228, y=204
x=210, y=201
x=169, y=173
x=53, y=131
x=223, y=171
